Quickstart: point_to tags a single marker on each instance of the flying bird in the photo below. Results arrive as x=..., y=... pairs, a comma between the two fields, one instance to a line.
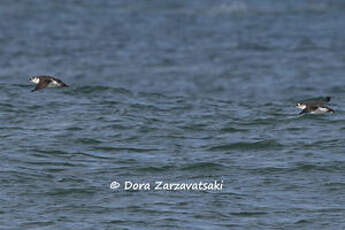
x=46, y=82
x=315, y=107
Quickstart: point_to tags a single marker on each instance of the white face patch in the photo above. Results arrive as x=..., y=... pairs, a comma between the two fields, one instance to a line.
x=35, y=80
x=301, y=106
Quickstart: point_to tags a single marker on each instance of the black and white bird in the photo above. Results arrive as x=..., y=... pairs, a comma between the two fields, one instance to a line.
x=46, y=82
x=315, y=107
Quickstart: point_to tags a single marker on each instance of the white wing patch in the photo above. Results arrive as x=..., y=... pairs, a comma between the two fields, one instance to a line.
x=53, y=83
x=320, y=110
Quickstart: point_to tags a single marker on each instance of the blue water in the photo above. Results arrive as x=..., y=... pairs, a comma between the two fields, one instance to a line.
x=178, y=92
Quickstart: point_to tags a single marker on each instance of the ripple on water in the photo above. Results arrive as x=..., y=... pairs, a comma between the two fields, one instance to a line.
x=243, y=146
x=208, y=166
x=98, y=89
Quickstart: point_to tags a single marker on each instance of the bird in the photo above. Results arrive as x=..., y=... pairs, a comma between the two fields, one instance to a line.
x=46, y=82
x=315, y=107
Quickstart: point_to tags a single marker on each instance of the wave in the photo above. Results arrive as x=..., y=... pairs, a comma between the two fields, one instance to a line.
x=260, y=145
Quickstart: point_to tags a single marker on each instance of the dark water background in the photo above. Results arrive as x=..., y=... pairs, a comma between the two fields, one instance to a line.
x=179, y=91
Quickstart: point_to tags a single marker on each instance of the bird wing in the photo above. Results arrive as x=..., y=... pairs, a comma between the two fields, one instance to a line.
x=314, y=107
x=42, y=84
x=63, y=84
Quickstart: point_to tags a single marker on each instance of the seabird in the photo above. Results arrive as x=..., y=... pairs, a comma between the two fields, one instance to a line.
x=315, y=107
x=46, y=82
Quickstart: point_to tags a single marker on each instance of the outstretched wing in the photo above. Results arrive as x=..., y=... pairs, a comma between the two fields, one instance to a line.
x=42, y=84
x=320, y=102
x=62, y=84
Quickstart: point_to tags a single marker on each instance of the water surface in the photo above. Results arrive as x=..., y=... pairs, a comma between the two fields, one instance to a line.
x=173, y=91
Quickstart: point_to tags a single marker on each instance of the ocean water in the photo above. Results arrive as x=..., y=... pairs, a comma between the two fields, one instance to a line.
x=182, y=92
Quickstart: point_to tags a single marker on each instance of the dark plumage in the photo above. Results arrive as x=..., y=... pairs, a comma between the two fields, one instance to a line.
x=317, y=106
x=46, y=82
